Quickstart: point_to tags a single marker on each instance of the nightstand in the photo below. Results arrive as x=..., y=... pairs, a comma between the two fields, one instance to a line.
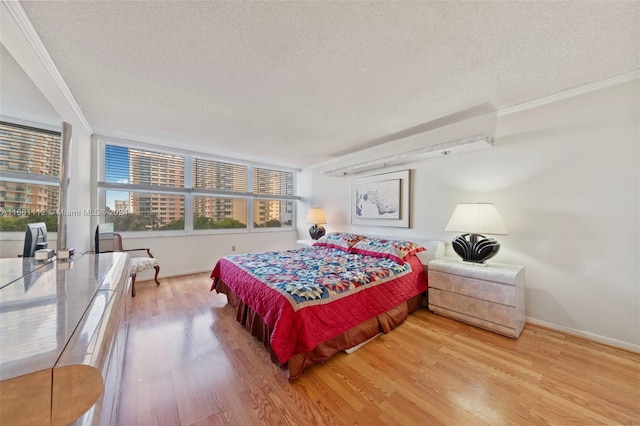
x=490, y=296
x=305, y=243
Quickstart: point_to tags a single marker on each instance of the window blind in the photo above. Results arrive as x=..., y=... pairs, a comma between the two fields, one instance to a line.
x=272, y=182
x=142, y=167
x=217, y=175
x=29, y=150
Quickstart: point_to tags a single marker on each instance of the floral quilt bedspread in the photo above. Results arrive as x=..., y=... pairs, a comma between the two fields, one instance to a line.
x=310, y=295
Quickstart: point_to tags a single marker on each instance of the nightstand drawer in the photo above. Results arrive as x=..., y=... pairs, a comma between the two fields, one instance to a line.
x=473, y=308
x=503, y=294
x=497, y=328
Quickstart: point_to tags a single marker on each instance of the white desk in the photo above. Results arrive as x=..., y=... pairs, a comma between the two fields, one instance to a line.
x=62, y=339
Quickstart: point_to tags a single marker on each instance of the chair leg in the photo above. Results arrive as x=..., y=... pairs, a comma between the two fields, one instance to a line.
x=157, y=268
x=133, y=285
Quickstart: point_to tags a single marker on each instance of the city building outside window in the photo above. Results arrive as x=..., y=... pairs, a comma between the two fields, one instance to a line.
x=272, y=212
x=29, y=177
x=142, y=189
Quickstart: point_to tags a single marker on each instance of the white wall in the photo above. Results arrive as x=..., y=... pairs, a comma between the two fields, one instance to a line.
x=565, y=178
x=184, y=254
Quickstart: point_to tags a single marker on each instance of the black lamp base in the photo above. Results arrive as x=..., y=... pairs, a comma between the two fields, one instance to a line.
x=475, y=248
x=316, y=231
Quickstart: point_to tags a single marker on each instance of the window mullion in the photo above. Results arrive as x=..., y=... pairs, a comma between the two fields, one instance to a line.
x=188, y=198
x=250, y=202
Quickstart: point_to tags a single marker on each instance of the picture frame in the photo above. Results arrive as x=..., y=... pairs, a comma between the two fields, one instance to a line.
x=381, y=200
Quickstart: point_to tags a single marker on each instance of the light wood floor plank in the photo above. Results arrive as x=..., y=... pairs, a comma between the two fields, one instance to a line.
x=189, y=362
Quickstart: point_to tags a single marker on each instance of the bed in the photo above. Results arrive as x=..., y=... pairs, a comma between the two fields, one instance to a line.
x=309, y=303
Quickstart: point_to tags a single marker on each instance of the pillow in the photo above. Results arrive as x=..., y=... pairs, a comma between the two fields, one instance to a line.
x=396, y=250
x=339, y=240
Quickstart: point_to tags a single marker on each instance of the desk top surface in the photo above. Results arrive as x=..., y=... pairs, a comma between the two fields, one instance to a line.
x=41, y=304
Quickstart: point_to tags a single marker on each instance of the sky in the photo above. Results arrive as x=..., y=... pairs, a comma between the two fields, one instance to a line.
x=116, y=170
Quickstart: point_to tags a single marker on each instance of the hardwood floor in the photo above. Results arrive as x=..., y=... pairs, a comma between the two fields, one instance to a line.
x=189, y=363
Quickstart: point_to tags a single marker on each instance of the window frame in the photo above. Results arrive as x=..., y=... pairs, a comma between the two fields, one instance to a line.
x=188, y=190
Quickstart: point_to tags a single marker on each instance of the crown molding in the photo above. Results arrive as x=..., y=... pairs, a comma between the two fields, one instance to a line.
x=21, y=19
x=571, y=92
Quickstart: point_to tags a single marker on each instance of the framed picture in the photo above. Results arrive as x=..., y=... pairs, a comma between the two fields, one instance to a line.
x=381, y=200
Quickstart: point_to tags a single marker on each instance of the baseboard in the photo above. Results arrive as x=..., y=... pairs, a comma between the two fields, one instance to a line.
x=586, y=335
x=180, y=274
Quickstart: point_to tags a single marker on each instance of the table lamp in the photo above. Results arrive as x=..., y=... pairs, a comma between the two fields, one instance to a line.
x=475, y=219
x=316, y=216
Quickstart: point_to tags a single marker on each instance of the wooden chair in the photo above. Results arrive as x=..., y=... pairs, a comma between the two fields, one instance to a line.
x=137, y=264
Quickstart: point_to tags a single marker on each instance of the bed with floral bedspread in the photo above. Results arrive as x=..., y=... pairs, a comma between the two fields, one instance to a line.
x=308, y=303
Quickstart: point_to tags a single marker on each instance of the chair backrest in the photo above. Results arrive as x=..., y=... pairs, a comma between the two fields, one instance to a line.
x=104, y=238
x=107, y=242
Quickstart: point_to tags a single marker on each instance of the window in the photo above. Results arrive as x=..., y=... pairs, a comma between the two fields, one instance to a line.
x=272, y=212
x=145, y=173
x=147, y=190
x=219, y=213
x=227, y=210
x=29, y=177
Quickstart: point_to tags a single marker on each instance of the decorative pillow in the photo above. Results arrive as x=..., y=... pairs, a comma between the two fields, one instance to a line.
x=339, y=240
x=396, y=250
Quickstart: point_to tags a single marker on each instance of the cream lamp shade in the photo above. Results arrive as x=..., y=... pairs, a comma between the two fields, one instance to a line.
x=316, y=216
x=475, y=219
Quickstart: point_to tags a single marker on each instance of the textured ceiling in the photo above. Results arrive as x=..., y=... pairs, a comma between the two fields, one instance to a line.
x=299, y=83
